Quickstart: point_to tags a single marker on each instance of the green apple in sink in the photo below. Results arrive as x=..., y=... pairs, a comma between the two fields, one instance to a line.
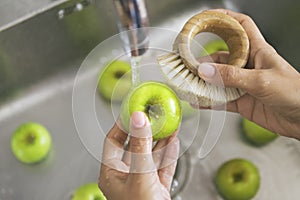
x=214, y=46
x=256, y=134
x=187, y=109
x=237, y=179
x=31, y=142
x=159, y=102
x=88, y=191
x=115, y=80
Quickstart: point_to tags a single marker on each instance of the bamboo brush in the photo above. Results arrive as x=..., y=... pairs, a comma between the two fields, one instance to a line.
x=180, y=67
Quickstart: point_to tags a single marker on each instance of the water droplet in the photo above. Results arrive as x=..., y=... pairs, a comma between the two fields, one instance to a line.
x=175, y=184
x=79, y=6
x=135, y=67
x=61, y=14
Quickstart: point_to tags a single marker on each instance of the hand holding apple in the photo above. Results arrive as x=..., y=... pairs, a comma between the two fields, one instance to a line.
x=237, y=179
x=141, y=170
x=159, y=103
x=31, y=142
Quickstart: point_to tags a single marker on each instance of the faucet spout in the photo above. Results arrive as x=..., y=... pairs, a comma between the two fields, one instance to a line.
x=133, y=20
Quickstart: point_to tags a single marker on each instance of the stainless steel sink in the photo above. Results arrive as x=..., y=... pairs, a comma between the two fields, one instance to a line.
x=40, y=55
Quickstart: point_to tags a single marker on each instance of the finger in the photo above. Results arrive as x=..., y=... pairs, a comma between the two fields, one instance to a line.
x=241, y=105
x=217, y=57
x=162, y=143
x=116, y=135
x=230, y=76
x=127, y=155
x=160, y=148
x=140, y=144
x=110, y=180
x=113, y=144
x=169, y=163
x=256, y=39
x=158, y=151
x=140, y=134
x=248, y=24
x=113, y=164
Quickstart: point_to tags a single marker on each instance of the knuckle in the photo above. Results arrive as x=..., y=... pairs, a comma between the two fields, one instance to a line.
x=138, y=144
x=229, y=75
x=167, y=175
x=102, y=185
x=247, y=18
x=139, y=141
x=263, y=81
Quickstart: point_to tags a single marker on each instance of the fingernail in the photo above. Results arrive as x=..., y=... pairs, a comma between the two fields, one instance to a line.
x=138, y=119
x=206, y=70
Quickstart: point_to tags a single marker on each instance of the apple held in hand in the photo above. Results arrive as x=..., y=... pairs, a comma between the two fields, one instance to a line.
x=256, y=134
x=89, y=191
x=237, y=179
x=31, y=142
x=115, y=80
x=159, y=103
x=214, y=46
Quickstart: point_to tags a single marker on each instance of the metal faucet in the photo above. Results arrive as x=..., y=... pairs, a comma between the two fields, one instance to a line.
x=133, y=20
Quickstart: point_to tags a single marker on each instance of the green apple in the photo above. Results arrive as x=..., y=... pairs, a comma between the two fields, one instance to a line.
x=159, y=102
x=88, y=191
x=31, y=142
x=187, y=109
x=214, y=46
x=237, y=179
x=256, y=134
x=115, y=80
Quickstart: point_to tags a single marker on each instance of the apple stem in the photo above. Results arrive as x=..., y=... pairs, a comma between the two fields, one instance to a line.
x=151, y=113
x=154, y=111
x=30, y=138
x=119, y=74
x=237, y=177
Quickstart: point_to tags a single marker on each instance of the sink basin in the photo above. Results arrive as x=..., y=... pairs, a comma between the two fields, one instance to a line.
x=39, y=61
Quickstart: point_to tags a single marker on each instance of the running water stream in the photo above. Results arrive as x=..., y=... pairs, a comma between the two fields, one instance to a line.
x=135, y=69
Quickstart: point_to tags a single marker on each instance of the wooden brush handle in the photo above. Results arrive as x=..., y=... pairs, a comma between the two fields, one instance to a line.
x=225, y=26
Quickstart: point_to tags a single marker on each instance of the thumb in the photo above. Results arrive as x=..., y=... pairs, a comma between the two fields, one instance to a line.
x=228, y=75
x=140, y=133
x=140, y=144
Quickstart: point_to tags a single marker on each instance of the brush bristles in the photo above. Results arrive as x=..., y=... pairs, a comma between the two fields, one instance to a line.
x=191, y=87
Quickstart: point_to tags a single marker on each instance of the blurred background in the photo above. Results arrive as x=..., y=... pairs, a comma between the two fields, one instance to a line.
x=35, y=43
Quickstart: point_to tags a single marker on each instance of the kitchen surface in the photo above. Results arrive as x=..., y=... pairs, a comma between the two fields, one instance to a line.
x=51, y=55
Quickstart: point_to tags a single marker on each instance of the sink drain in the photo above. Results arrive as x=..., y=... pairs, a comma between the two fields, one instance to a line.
x=181, y=176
